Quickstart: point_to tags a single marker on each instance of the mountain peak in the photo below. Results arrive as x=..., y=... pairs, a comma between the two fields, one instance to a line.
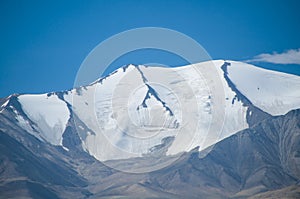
x=158, y=102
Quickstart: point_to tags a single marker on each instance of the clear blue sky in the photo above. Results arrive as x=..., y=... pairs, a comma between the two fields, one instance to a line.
x=43, y=43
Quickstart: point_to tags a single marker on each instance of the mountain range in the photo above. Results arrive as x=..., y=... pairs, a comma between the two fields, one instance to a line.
x=216, y=129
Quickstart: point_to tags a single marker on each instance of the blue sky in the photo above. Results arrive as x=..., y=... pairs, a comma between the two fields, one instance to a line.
x=43, y=43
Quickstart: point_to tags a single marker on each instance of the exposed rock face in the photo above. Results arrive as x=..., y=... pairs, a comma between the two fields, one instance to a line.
x=255, y=160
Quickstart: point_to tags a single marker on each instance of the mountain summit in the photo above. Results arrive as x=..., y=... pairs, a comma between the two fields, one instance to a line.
x=138, y=102
x=142, y=119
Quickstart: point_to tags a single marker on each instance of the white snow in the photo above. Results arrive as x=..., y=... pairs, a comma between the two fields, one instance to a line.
x=118, y=125
x=234, y=118
x=120, y=130
x=5, y=104
x=50, y=114
x=274, y=92
x=65, y=148
x=235, y=113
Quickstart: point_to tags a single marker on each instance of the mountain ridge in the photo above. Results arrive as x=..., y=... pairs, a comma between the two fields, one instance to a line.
x=243, y=115
x=225, y=172
x=254, y=160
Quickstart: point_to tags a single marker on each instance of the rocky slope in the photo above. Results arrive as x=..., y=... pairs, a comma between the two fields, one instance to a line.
x=256, y=160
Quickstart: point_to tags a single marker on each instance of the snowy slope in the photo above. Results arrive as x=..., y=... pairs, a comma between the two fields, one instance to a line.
x=273, y=92
x=49, y=114
x=132, y=110
x=102, y=106
x=138, y=110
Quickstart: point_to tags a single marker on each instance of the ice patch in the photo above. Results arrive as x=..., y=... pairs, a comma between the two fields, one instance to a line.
x=49, y=113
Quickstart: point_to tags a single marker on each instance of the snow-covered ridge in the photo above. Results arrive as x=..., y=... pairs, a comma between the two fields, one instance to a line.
x=274, y=92
x=142, y=100
x=156, y=102
x=49, y=113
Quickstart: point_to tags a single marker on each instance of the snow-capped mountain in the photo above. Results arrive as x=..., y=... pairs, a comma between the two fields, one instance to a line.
x=156, y=124
x=133, y=110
